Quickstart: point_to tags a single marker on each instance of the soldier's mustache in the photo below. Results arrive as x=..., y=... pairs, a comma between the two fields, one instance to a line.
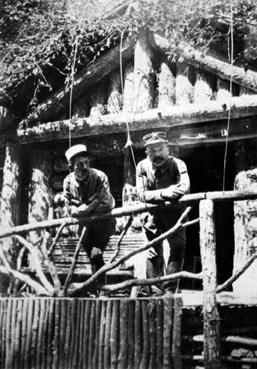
x=158, y=158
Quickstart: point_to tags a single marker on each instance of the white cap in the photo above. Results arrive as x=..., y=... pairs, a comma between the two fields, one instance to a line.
x=75, y=150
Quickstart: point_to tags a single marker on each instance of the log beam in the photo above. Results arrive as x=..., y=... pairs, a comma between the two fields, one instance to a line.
x=211, y=326
x=213, y=65
x=131, y=210
x=170, y=118
x=87, y=77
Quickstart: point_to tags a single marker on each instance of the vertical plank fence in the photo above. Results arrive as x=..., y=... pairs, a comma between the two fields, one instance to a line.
x=57, y=333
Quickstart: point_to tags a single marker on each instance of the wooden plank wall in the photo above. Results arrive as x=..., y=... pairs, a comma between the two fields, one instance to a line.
x=85, y=333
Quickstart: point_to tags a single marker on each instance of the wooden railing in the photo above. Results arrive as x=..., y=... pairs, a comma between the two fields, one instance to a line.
x=206, y=201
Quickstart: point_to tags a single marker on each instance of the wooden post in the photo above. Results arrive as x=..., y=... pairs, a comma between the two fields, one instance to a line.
x=97, y=102
x=203, y=87
x=184, y=86
x=245, y=225
x=176, y=337
x=10, y=205
x=167, y=86
x=114, y=101
x=223, y=90
x=143, y=74
x=211, y=328
x=128, y=89
x=40, y=195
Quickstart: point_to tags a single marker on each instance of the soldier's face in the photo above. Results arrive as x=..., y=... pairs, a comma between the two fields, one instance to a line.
x=81, y=166
x=158, y=153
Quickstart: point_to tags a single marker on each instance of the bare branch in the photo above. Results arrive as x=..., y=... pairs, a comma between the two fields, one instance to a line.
x=235, y=276
x=150, y=281
x=179, y=225
x=7, y=270
x=37, y=263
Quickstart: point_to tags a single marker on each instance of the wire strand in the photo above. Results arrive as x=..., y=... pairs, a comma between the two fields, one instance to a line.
x=230, y=90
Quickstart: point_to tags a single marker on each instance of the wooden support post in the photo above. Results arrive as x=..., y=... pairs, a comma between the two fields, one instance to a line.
x=167, y=86
x=143, y=74
x=128, y=89
x=203, y=90
x=211, y=317
x=223, y=90
x=245, y=225
x=184, y=86
x=10, y=202
x=176, y=337
x=39, y=191
x=114, y=101
x=97, y=102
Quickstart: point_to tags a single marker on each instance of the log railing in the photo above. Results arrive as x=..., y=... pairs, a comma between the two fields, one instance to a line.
x=211, y=331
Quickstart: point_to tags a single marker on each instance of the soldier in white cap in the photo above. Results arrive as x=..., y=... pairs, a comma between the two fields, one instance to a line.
x=86, y=192
x=162, y=177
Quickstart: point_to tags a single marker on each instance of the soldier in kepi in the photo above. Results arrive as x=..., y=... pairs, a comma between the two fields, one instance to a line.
x=161, y=177
x=86, y=192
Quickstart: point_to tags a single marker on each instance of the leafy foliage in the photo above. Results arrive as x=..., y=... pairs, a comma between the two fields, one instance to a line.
x=44, y=43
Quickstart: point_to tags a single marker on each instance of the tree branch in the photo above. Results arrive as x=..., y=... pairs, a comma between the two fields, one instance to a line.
x=179, y=225
x=7, y=270
x=235, y=276
x=37, y=263
x=150, y=281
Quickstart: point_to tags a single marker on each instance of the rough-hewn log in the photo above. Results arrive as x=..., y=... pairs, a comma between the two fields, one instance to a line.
x=211, y=327
x=210, y=64
x=245, y=227
x=230, y=298
x=176, y=338
x=128, y=89
x=223, y=90
x=40, y=196
x=214, y=133
x=10, y=201
x=92, y=74
x=203, y=88
x=143, y=74
x=184, y=87
x=243, y=106
x=80, y=108
x=97, y=103
x=135, y=209
x=114, y=102
x=166, y=87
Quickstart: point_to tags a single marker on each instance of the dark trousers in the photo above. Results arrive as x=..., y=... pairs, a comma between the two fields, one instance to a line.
x=95, y=241
x=154, y=226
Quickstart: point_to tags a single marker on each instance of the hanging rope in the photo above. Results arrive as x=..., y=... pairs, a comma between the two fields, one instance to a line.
x=72, y=84
x=129, y=141
x=230, y=90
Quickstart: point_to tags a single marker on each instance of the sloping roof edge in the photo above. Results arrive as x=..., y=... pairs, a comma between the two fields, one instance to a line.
x=240, y=107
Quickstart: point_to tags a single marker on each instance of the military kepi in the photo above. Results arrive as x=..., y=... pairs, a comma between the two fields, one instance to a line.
x=155, y=137
x=75, y=150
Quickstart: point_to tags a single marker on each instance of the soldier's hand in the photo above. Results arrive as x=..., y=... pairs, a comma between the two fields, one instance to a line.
x=74, y=211
x=141, y=196
x=83, y=210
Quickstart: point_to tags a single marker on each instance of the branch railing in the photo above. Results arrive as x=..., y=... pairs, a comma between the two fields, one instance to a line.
x=206, y=200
